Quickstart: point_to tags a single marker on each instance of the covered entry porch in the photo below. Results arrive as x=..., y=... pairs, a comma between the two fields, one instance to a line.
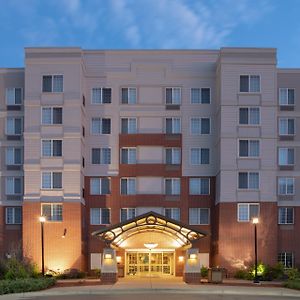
x=150, y=245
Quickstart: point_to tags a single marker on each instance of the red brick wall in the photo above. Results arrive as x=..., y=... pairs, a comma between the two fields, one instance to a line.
x=234, y=243
x=60, y=253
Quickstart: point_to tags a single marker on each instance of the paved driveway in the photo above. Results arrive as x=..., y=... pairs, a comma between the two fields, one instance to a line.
x=156, y=289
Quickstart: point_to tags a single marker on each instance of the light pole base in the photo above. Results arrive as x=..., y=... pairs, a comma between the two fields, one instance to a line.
x=256, y=281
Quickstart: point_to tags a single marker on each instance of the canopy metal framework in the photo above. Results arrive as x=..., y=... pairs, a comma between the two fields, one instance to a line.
x=149, y=222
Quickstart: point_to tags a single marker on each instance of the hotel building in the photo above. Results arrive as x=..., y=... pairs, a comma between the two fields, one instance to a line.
x=150, y=158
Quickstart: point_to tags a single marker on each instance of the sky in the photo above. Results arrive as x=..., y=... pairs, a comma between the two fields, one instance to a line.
x=149, y=24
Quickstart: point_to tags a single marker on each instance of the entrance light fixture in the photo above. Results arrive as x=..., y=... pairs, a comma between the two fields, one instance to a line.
x=150, y=246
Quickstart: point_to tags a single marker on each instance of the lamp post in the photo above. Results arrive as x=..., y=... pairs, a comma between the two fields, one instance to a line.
x=255, y=222
x=42, y=221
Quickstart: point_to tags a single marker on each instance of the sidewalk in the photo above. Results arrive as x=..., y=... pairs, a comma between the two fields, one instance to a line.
x=157, y=286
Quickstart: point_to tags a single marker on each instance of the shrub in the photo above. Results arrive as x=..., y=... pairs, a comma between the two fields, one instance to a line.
x=25, y=285
x=242, y=274
x=71, y=274
x=204, y=272
x=293, y=284
x=15, y=270
x=293, y=274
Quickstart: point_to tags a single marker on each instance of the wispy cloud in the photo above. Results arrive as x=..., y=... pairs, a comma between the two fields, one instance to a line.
x=136, y=23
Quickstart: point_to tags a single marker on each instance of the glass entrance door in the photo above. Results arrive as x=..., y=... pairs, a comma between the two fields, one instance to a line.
x=149, y=263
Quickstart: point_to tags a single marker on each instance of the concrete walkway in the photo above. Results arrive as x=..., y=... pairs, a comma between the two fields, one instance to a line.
x=127, y=286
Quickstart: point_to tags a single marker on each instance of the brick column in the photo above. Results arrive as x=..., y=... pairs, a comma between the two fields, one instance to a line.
x=191, y=272
x=109, y=268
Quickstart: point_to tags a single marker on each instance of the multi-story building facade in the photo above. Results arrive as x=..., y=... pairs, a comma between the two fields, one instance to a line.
x=208, y=139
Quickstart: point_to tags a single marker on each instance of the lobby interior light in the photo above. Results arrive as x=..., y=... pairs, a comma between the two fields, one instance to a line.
x=193, y=256
x=150, y=246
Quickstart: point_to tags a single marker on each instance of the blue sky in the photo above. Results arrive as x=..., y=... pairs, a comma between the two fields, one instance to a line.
x=149, y=24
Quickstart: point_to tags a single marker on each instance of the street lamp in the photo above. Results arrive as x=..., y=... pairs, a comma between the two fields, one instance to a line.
x=42, y=221
x=255, y=221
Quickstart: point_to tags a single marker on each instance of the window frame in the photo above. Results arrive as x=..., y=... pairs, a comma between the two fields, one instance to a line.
x=248, y=179
x=200, y=149
x=128, y=94
x=173, y=118
x=287, y=164
x=286, y=215
x=173, y=180
x=128, y=150
x=248, y=154
x=51, y=116
x=52, y=148
x=172, y=155
x=249, y=84
x=200, y=134
x=286, y=119
x=101, y=126
x=101, y=95
x=201, y=194
x=127, y=185
x=14, y=150
x=51, y=181
x=284, y=253
x=100, y=223
x=172, y=212
x=200, y=88
x=286, y=186
x=199, y=216
x=52, y=76
x=52, y=210
x=248, y=211
x=173, y=88
x=101, y=156
x=128, y=118
x=14, y=127
x=22, y=96
x=287, y=90
x=248, y=114
x=100, y=185
x=14, y=215
x=127, y=210
x=21, y=185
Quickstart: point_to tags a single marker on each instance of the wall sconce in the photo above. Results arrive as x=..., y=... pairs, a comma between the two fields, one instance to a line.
x=107, y=256
x=180, y=258
x=119, y=259
x=65, y=233
x=193, y=256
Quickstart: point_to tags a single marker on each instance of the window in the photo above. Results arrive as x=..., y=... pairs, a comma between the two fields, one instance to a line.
x=128, y=125
x=51, y=180
x=173, y=125
x=286, y=259
x=128, y=95
x=200, y=126
x=247, y=211
x=101, y=95
x=52, y=115
x=127, y=214
x=100, y=186
x=286, y=156
x=199, y=216
x=13, y=215
x=286, y=96
x=52, y=212
x=249, y=83
x=173, y=213
x=13, y=156
x=13, y=185
x=53, y=83
x=200, y=95
x=173, y=95
x=128, y=155
x=101, y=126
x=100, y=216
x=285, y=215
x=249, y=180
x=172, y=186
x=101, y=156
x=286, y=186
x=14, y=96
x=13, y=126
x=128, y=186
x=173, y=156
x=248, y=148
x=199, y=186
x=286, y=126
x=199, y=156
x=249, y=116
x=52, y=148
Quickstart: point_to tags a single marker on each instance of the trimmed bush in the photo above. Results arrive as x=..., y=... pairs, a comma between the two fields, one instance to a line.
x=25, y=285
x=204, y=272
x=293, y=284
x=293, y=274
x=71, y=274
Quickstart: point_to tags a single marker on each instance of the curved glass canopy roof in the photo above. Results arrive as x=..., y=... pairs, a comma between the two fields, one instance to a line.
x=150, y=222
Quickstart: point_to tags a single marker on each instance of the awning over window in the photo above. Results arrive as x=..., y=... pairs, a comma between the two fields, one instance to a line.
x=182, y=234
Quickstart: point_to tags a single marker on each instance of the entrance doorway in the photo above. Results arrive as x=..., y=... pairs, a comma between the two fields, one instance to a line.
x=154, y=263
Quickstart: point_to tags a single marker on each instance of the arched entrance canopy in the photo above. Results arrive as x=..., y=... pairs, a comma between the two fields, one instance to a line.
x=149, y=222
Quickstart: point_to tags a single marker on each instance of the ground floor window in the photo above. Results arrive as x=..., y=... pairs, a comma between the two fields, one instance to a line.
x=13, y=215
x=287, y=259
